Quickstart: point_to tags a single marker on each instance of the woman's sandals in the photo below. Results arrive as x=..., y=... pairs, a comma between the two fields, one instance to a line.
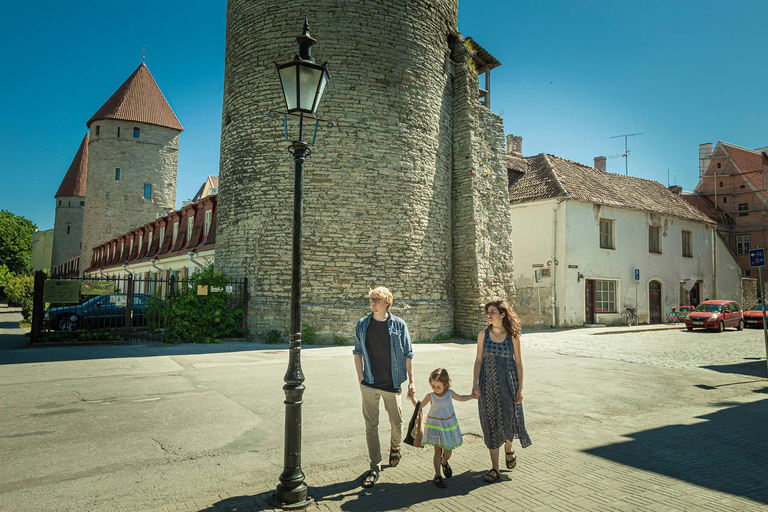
x=370, y=478
x=394, y=458
x=491, y=476
x=511, y=463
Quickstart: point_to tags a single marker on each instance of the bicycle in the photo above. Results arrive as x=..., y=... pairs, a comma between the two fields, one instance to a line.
x=630, y=315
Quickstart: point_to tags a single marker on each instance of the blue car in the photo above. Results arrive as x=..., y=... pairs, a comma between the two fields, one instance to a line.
x=102, y=311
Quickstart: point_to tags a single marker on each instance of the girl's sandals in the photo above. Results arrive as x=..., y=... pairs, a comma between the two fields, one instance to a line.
x=394, y=458
x=438, y=481
x=511, y=463
x=491, y=476
x=447, y=471
x=370, y=478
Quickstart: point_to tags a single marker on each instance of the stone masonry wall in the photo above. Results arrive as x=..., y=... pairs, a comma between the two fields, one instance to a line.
x=115, y=207
x=68, y=215
x=377, y=189
x=482, y=244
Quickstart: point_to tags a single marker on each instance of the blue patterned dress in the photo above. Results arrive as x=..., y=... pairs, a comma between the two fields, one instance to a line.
x=500, y=417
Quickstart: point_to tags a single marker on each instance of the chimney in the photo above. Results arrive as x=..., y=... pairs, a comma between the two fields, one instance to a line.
x=600, y=163
x=514, y=145
x=705, y=152
x=676, y=189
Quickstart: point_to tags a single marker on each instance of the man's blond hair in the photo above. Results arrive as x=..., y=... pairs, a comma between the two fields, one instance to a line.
x=382, y=293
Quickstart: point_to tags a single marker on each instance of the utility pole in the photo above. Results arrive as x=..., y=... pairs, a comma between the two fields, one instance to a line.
x=626, y=149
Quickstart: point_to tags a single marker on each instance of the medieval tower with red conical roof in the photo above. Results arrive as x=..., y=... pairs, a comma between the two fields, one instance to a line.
x=70, y=203
x=133, y=157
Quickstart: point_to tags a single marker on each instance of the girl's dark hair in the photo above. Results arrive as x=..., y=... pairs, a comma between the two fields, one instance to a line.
x=511, y=321
x=441, y=376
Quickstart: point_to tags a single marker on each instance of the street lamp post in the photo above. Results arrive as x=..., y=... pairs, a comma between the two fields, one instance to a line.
x=303, y=83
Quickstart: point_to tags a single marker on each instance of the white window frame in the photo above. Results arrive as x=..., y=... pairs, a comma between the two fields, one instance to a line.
x=607, y=287
x=208, y=216
x=190, y=227
x=743, y=244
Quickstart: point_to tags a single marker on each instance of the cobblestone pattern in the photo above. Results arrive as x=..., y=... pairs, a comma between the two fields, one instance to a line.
x=68, y=215
x=114, y=207
x=377, y=187
x=598, y=466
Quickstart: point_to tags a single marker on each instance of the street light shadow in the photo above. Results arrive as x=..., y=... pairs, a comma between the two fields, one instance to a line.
x=730, y=442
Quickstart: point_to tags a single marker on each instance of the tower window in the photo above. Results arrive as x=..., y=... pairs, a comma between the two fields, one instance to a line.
x=118, y=132
x=136, y=133
x=59, y=202
x=147, y=191
x=117, y=174
x=98, y=130
x=719, y=165
x=68, y=229
x=82, y=203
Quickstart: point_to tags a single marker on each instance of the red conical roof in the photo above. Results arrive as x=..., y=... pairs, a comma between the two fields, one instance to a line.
x=139, y=99
x=73, y=184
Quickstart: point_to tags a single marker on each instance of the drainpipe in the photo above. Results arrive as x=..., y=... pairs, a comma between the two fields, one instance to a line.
x=154, y=265
x=553, y=262
x=192, y=259
x=125, y=269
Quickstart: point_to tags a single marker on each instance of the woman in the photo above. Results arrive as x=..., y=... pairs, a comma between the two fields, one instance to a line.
x=498, y=383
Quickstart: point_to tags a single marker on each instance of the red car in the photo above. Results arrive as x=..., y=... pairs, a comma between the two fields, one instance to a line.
x=754, y=317
x=716, y=314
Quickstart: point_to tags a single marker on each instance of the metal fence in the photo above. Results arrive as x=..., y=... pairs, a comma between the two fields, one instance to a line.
x=128, y=309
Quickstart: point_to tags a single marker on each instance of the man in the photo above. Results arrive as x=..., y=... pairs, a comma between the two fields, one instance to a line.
x=383, y=359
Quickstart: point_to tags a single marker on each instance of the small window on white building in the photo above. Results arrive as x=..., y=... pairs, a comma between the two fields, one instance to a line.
x=687, y=245
x=654, y=239
x=606, y=234
x=743, y=244
x=605, y=296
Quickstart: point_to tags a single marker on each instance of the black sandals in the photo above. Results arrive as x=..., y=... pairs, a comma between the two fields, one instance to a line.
x=394, y=458
x=511, y=463
x=370, y=478
x=491, y=476
x=438, y=481
x=447, y=471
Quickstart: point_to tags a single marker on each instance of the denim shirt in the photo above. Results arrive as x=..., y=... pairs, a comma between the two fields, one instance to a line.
x=401, y=348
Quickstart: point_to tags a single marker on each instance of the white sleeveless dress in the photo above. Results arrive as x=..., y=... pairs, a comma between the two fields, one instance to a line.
x=442, y=427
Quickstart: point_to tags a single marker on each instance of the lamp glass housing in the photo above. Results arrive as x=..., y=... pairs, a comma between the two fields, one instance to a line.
x=303, y=84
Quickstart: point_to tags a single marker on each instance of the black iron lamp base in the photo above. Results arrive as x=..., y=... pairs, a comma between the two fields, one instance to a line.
x=278, y=502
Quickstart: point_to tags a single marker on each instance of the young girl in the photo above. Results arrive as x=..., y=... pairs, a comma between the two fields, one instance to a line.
x=442, y=427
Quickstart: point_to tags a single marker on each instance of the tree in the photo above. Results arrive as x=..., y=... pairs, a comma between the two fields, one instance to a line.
x=16, y=242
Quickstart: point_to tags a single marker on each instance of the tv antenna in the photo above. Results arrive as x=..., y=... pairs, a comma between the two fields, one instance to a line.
x=625, y=153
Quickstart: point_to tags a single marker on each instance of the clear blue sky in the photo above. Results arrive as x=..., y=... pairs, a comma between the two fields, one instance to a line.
x=573, y=74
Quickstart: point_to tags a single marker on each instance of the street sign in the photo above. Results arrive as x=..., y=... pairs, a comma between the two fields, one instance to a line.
x=637, y=274
x=537, y=275
x=756, y=258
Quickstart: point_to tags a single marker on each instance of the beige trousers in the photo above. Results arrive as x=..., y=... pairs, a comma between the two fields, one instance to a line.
x=394, y=410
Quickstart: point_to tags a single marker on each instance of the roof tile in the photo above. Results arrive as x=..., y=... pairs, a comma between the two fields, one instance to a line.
x=73, y=184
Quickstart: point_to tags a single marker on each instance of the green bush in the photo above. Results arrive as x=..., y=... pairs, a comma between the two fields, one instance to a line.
x=273, y=337
x=308, y=335
x=5, y=276
x=81, y=336
x=20, y=291
x=339, y=341
x=191, y=318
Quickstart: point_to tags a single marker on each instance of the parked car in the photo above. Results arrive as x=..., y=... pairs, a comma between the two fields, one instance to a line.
x=754, y=317
x=102, y=311
x=715, y=314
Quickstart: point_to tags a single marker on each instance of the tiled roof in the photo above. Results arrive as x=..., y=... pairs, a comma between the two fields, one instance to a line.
x=206, y=189
x=73, y=184
x=549, y=176
x=745, y=159
x=139, y=99
x=697, y=202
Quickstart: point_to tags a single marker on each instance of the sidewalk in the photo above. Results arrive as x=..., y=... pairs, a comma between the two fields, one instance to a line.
x=670, y=462
x=11, y=336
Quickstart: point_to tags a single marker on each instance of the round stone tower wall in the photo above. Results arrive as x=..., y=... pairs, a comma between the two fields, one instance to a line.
x=114, y=207
x=377, y=186
x=67, y=228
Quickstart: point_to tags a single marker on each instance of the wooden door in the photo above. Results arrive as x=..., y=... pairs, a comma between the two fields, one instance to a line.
x=654, y=302
x=589, y=301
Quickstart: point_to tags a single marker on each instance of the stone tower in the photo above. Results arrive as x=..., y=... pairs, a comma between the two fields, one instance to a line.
x=70, y=204
x=408, y=190
x=133, y=158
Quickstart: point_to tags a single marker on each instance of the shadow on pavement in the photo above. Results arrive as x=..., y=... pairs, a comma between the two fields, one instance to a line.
x=725, y=453
x=90, y=352
x=753, y=367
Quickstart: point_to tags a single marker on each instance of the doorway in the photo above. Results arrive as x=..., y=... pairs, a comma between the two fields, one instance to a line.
x=654, y=302
x=589, y=301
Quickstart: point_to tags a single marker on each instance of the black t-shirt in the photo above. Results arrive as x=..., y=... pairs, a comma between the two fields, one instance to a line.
x=379, y=348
